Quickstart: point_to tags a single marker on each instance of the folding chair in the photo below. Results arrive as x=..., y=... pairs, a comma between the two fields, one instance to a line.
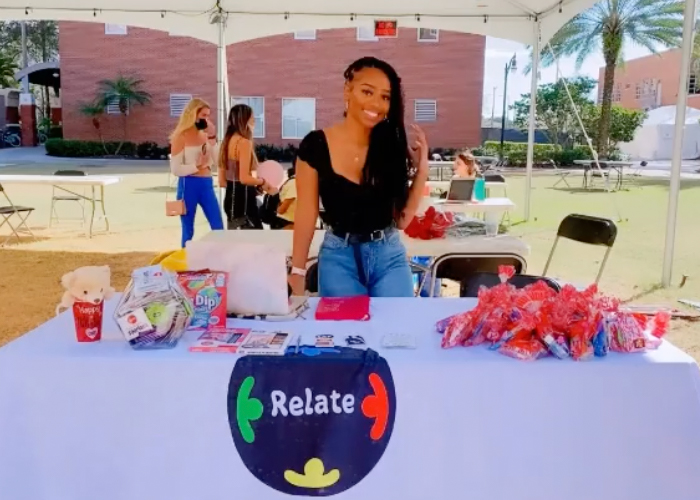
x=501, y=181
x=589, y=230
x=561, y=173
x=53, y=213
x=461, y=266
x=22, y=213
x=469, y=287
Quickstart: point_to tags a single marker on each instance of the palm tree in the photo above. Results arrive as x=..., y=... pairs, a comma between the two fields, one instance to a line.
x=610, y=25
x=8, y=68
x=95, y=110
x=125, y=91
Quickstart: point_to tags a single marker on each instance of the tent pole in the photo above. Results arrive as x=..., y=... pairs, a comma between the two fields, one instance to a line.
x=675, y=184
x=221, y=91
x=531, y=119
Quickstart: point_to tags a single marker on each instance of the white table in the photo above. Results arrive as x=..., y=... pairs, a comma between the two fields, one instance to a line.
x=415, y=247
x=489, y=205
x=590, y=166
x=100, y=421
x=69, y=184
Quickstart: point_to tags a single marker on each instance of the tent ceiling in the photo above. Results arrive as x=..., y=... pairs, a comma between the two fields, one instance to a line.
x=510, y=19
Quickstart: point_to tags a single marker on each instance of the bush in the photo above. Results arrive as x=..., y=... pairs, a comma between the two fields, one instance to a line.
x=567, y=157
x=55, y=133
x=149, y=150
x=517, y=151
x=276, y=153
x=87, y=149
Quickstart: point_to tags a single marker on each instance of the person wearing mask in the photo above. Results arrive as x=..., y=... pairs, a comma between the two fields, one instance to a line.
x=288, y=200
x=370, y=181
x=192, y=156
x=237, y=163
x=465, y=166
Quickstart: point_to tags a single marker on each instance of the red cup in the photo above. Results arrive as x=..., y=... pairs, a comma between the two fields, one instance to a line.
x=88, y=321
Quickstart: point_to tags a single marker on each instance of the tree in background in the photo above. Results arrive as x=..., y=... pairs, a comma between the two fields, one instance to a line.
x=42, y=46
x=610, y=25
x=553, y=109
x=125, y=92
x=623, y=124
x=8, y=68
x=95, y=111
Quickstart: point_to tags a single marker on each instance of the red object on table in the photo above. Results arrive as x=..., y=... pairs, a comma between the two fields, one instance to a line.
x=88, y=321
x=343, y=308
x=430, y=225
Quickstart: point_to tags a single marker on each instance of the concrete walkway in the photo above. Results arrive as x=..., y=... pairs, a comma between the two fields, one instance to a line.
x=12, y=157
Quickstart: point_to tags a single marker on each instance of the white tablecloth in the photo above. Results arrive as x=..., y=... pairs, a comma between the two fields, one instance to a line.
x=103, y=422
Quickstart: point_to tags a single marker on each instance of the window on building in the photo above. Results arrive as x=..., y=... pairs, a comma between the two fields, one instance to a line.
x=178, y=102
x=693, y=84
x=258, y=105
x=305, y=35
x=425, y=110
x=638, y=91
x=116, y=29
x=366, y=34
x=428, y=35
x=616, y=93
x=113, y=107
x=298, y=117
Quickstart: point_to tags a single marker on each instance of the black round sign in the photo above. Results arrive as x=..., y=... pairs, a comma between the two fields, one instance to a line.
x=312, y=423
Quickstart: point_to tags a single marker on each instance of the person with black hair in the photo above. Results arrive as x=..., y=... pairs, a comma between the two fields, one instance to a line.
x=370, y=182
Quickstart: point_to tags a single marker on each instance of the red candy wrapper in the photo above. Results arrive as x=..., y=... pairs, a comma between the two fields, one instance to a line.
x=88, y=321
x=525, y=350
x=431, y=225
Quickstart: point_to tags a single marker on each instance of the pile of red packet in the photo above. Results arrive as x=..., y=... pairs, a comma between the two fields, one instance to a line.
x=430, y=225
x=536, y=321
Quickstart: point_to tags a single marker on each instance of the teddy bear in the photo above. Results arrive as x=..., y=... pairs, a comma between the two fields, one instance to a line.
x=86, y=284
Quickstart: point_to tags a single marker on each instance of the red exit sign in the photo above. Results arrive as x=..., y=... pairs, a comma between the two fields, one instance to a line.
x=385, y=29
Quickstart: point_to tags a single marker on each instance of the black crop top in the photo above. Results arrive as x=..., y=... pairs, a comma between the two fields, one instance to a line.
x=350, y=207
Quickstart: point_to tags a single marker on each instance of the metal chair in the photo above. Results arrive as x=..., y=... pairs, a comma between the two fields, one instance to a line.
x=499, y=179
x=586, y=229
x=53, y=214
x=469, y=287
x=561, y=173
x=460, y=266
x=7, y=212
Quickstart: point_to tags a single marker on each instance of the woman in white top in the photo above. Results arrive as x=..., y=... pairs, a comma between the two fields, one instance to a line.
x=192, y=154
x=465, y=166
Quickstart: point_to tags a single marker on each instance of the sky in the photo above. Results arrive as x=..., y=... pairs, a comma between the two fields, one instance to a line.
x=499, y=52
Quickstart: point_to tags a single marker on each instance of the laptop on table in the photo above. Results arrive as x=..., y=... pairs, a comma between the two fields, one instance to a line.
x=460, y=191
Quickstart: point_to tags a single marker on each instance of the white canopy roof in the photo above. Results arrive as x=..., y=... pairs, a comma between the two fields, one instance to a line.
x=510, y=19
x=666, y=115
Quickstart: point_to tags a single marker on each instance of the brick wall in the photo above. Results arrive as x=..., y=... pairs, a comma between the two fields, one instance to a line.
x=449, y=71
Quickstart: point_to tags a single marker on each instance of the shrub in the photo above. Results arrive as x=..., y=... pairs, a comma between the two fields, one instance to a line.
x=87, y=149
x=567, y=157
x=517, y=151
x=55, y=133
x=276, y=153
x=148, y=150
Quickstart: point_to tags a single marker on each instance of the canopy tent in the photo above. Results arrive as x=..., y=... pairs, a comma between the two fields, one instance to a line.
x=532, y=22
x=654, y=139
x=510, y=19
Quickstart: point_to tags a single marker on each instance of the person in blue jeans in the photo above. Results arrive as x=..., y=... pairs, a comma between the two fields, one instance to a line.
x=193, y=153
x=370, y=182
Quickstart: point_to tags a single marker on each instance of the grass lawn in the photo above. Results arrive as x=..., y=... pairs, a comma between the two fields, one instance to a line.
x=30, y=285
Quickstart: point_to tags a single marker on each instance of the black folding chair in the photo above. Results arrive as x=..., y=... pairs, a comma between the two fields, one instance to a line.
x=460, y=266
x=53, y=214
x=470, y=286
x=586, y=229
x=8, y=212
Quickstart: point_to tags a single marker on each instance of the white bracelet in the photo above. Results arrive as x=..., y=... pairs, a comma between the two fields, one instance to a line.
x=299, y=271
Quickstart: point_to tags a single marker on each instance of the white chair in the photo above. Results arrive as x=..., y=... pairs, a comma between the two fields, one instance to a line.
x=562, y=174
x=7, y=212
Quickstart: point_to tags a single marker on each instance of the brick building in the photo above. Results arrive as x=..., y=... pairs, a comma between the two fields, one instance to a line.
x=650, y=82
x=293, y=81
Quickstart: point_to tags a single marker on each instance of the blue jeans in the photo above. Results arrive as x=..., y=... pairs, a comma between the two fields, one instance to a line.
x=198, y=191
x=385, y=271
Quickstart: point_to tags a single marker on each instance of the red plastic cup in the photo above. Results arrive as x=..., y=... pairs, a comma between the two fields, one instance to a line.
x=88, y=321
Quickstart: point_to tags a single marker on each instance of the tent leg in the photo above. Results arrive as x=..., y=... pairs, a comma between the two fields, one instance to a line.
x=221, y=93
x=675, y=183
x=531, y=120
